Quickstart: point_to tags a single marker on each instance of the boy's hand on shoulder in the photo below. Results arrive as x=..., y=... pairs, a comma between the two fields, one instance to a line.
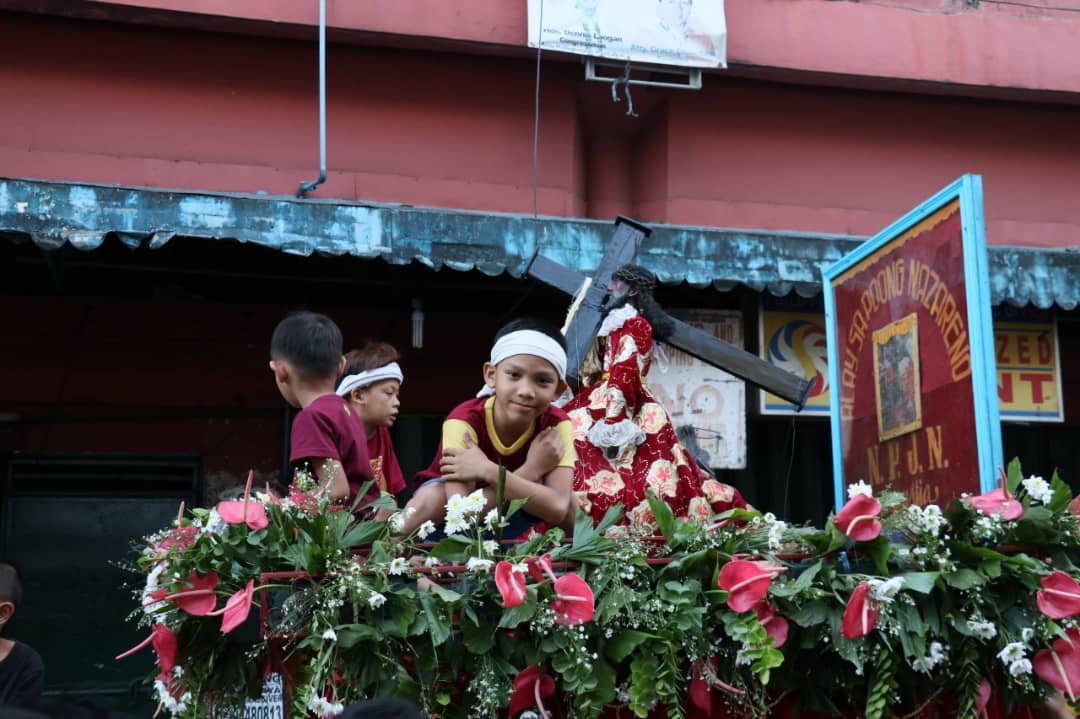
x=467, y=464
x=544, y=453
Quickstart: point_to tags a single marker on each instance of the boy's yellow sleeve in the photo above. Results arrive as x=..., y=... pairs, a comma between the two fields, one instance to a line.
x=566, y=434
x=454, y=432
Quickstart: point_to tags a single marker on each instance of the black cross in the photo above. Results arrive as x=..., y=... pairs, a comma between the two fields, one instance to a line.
x=586, y=321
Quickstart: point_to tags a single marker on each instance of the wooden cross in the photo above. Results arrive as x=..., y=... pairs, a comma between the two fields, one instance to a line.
x=585, y=321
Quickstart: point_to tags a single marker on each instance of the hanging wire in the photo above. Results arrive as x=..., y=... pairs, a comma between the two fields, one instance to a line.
x=536, y=126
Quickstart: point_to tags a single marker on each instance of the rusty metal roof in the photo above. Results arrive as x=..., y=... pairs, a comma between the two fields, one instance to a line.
x=55, y=213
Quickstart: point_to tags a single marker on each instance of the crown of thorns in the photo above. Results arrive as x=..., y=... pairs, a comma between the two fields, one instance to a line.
x=637, y=276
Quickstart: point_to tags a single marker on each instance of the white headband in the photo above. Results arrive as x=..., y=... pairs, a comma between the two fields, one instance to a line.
x=370, y=377
x=527, y=342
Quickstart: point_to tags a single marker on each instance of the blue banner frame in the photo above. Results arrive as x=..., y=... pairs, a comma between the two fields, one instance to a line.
x=968, y=190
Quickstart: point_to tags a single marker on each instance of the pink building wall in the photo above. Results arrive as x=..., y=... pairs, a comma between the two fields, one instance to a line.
x=131, y=104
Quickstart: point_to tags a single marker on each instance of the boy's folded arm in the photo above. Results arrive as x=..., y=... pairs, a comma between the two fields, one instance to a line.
x=331, y=474
x=551, y=500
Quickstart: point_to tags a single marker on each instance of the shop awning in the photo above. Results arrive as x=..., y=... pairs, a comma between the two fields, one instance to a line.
x=52, y=214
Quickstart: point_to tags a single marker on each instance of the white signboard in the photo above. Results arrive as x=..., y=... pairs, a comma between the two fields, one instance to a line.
x=667, y=32
x=707, y=401
x=270, y=705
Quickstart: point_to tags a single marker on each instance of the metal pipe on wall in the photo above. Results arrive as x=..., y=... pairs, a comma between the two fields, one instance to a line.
x=306, y=187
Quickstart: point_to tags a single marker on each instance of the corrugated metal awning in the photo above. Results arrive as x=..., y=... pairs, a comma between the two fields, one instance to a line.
x=55, y=213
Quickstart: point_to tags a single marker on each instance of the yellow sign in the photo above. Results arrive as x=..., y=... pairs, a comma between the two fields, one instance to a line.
x=1028, y=370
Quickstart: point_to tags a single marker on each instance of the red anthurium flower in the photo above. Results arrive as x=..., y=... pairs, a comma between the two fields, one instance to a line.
x=245, y=511
x=271, y=496
x=198, y=599
x=164, y=642
x=539, y=566
x=858, y=518
x=745, y=582
x=999, y=502
x=776, y=627
x=1059, y=666
x=236, y=609
x=861, y=614
x=574, y=602
x=531, y=686
x=511, y=584
x=179, y=537
x=1060, y=596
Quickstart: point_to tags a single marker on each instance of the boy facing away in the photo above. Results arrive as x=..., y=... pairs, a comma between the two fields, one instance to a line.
x=306, y=359
x=22, y=673
x=511, y=423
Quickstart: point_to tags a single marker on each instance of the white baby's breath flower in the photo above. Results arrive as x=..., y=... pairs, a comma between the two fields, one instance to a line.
x=520, y=568
x=476, y=564
x=397, y=521
x=409, y=512
x=376, y=600
x=425, y=530
x=398, y=566
x=432, y=562
x=858, y=488
x=1027, y=633
x=330, y=635
x=491, y=546
x=491, y=518
x=1038, y=489
x=776, y=534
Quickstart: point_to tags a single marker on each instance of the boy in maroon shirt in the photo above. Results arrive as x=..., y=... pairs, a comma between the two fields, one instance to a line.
x=327, y=436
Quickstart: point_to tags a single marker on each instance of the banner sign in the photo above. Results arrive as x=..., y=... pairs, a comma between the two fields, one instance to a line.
x=707, y=405
x=1028, y=365
x=911, y=354
x=664, y=32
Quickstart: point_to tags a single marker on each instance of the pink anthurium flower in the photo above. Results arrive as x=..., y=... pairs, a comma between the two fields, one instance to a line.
x=574, y=602
x=745, y=582
x=245, y=511
x=1074, y=506
x=198, y=599
x=984, y=698
x=1059, y=597
x=271, y=496
x=236, y=609
x=776, y=627
x=858, y=518
x=165, y=646
x=531, y=686
x=998, y=502
x=704, y=680
x=511, y=584
x=1059, y=666
x=861, y=614
x=179, y=537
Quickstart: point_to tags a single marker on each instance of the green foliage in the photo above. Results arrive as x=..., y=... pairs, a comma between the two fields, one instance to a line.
x=355, y=623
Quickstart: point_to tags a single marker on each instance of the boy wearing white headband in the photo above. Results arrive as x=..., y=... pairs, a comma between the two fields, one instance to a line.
x=372, y=386
x=511, y=423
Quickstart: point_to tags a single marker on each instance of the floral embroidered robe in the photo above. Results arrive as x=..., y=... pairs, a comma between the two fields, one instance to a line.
x=618, y=407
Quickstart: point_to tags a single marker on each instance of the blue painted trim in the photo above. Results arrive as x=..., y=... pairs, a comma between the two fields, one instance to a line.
x=831, y=345
x=968, y=190
x=980, y=332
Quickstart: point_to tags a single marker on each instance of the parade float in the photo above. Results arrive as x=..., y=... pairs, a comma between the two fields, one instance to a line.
x=891, y=609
